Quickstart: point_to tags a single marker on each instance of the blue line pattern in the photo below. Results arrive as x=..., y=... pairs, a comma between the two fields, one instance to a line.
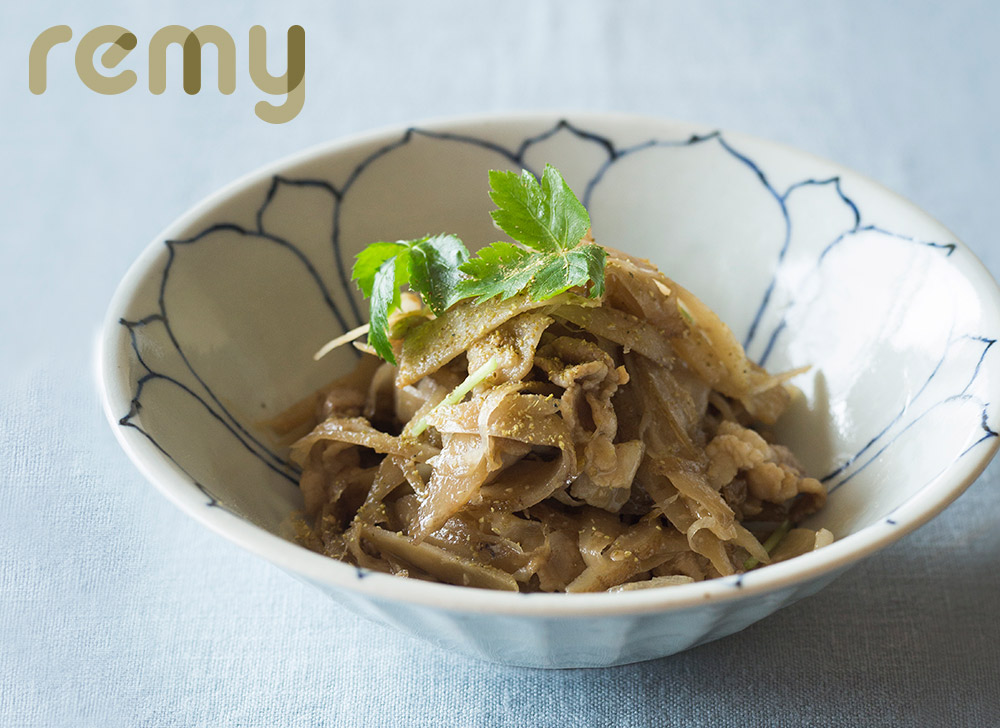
x=847, y=469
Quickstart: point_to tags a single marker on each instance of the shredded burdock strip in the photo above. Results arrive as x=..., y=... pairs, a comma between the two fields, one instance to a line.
x=576, y=444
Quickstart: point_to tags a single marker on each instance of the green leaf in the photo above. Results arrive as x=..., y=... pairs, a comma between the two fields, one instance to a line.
x=502, y=269
x=368, y=262
x=429, y=265
x=392, y=274
x=561, y=271
x=434, y=269
x=545, y=217
x=596, y=256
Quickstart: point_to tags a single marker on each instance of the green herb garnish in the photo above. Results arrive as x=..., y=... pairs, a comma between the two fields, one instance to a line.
x=551, y=222
x=772, y=543
x=430, y=266
x=550, y=256
x=458, y=393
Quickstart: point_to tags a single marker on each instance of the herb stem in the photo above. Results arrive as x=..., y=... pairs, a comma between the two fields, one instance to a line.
x=771, y=544
x=458, y=393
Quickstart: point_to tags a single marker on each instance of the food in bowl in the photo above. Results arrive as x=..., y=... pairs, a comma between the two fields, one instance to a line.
x=550, y=415
x=806, y=261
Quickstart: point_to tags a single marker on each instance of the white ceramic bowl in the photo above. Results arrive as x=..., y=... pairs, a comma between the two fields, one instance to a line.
x=213, y=328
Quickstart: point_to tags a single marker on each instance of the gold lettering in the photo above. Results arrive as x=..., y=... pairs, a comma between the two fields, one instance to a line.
x=290, y=82
x=122, y=42
x=192, y=42
x=38, y=55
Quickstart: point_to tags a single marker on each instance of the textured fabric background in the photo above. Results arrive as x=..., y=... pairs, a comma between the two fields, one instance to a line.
x=117, y=610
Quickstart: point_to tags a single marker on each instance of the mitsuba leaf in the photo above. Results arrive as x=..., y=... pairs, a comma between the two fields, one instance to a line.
x=501, y=269
x=546, y=217
x=429, y=265
x=385, y=300
x=435, y=270
x=552, y=253
x=560, y=272
x=368, y=262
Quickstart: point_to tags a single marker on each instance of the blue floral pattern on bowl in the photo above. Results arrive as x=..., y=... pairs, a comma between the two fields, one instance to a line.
x=808, y=263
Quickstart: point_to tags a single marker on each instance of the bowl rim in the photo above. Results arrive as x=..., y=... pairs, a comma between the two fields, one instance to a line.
x=115, y=397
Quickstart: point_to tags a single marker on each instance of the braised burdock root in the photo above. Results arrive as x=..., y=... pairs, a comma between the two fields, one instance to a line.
x=610, y=442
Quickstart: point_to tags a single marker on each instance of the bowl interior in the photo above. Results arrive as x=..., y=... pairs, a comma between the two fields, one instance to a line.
x=213, y=330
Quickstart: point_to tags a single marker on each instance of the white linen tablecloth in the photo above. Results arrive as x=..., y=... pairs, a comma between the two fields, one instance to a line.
x=117, y=610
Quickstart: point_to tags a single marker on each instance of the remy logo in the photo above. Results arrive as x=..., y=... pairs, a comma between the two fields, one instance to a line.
x=122, y=42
